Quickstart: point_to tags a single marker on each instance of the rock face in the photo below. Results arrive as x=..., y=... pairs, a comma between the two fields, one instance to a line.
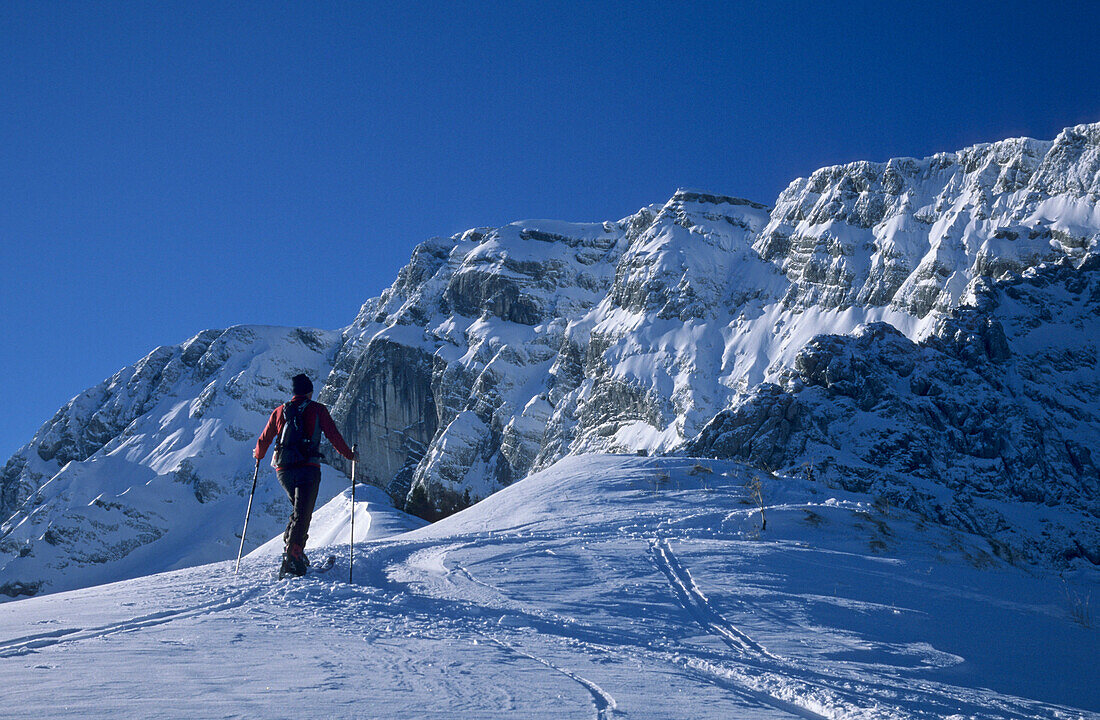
x=150, y=469
x=542, y=339
x=435, y=378
x=997, y=409
x=877, y=292
x=913, y=234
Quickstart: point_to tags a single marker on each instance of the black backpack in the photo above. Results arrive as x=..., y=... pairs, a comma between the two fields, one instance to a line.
x=292, y=447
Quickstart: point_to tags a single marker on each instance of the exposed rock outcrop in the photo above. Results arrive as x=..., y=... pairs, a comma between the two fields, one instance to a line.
x=1000, y=403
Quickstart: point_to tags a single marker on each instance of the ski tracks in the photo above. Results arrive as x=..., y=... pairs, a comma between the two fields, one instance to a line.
x=603, y=702
x=429, y=560
x=698, y=605
x=802, y=691
x=30, y=643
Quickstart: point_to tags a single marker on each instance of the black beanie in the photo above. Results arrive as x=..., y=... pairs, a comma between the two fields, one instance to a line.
x=301, y=384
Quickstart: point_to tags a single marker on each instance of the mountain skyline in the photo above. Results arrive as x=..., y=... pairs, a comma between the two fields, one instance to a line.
x=920, y=329
x=10, y=441
x=165, y=163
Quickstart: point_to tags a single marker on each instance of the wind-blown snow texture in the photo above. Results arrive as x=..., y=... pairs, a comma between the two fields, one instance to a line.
x=603, y=587
x=499, y=351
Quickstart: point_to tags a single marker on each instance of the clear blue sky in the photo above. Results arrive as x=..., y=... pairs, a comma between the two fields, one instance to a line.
x=169, y=167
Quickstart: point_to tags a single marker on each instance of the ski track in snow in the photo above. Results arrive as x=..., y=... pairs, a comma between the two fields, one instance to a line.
x=697, y=604
x=604, y=704
x=805, y=688
x=30, y=643
x=599, y=605
x=755, y=674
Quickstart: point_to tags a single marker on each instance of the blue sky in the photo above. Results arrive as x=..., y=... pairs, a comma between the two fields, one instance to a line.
x=169, y=167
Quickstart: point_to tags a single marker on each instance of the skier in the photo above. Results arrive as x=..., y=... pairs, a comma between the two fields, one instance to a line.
x=296, y=428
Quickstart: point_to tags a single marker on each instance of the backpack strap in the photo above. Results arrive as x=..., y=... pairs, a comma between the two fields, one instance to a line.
x=315, y=438
x=288, y=408
x=282, y=430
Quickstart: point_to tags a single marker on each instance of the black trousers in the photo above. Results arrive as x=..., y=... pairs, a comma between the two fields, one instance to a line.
x=301, y=485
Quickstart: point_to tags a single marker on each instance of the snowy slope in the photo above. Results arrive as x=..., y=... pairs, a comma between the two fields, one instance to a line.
x=604, y=587
x=151, y=470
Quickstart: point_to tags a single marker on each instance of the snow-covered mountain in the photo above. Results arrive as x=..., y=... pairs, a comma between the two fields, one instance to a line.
x=989, y=423
x=150, y=469
x=501, y=350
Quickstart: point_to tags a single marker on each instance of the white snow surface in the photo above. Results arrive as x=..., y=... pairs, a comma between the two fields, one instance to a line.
x=603, y=587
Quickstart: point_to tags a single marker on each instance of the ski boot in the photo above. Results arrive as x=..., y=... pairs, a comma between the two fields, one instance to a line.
x=295, y=562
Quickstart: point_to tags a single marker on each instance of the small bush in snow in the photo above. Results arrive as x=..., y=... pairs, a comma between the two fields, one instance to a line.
x=1080, y=610
x=756, y=497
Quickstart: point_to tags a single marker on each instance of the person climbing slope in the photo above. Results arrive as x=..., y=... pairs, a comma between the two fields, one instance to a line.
x=296, y=428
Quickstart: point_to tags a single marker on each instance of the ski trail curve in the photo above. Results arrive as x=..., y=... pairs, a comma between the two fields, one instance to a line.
x=603, y=702
x=30, y=643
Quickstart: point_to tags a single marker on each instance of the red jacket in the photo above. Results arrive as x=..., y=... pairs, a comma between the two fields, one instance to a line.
x=315, y=412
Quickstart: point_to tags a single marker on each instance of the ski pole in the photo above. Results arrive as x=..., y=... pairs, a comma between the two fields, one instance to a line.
x=351, y=543
x=246, y=514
